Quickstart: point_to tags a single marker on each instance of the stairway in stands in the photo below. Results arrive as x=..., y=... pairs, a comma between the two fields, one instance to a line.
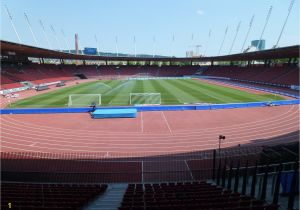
x=111, y=199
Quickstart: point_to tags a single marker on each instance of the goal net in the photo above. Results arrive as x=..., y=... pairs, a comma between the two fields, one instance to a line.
x=145, y=98
x=77, y=100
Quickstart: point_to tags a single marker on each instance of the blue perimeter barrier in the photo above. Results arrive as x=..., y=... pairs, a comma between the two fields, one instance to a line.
x=151, y=108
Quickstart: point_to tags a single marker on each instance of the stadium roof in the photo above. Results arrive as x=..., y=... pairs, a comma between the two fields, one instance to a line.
x=15, y=49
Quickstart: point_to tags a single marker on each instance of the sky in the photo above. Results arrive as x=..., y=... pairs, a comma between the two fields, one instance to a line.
x=188, y=21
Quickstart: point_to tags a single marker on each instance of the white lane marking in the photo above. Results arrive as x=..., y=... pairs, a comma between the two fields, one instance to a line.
x=142, y=123
x=166, y=121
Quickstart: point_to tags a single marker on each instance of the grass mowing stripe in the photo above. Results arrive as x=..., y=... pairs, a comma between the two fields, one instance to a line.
x=116, y=93
x=196, y=93
x=233, y=95
x=182, y=95
x=59, y=98
x=122, y=97
x=242, y=95
x=203, y=95
x=167, y=97
x=52, y=99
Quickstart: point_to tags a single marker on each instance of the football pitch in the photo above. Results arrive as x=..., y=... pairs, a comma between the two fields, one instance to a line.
x=172, y=91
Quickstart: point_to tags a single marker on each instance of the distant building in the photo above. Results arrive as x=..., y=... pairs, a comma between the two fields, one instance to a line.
x=191, y=54
x=90, y=51
x=260, y=45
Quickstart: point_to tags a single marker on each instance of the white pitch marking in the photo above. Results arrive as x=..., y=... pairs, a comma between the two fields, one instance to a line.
x=104, y=85
x=166, y=121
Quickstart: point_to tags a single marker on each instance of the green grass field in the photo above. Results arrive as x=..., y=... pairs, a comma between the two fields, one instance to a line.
x=116, y=92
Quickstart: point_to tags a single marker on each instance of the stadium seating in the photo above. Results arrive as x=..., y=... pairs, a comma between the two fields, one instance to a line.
x=284, y=75
x=46, y=73
x=32, y=196
x=187, y=195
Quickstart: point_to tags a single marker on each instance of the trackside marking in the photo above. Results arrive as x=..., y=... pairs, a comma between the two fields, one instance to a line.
x=142, y=123
x=167, y=123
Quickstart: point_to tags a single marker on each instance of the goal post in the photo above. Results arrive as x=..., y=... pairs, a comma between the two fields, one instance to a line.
x=145, y=98
x=83, y=100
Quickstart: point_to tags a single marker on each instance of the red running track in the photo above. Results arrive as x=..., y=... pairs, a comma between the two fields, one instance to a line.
x=151, y=133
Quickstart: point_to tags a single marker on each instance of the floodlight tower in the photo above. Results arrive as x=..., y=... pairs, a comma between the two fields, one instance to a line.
x=66, y=40
x=117, y=49
x=12, y=23
x=55, y=36
x=226, y=30
x=284, y=24
x=172, y=46
x=236, y=33
x=154, y=46
x=45, y=35
x=266, y=23
x=206, y=45
x=30, y=28
x=97, y=43
x=134, y=42
x=248, y=32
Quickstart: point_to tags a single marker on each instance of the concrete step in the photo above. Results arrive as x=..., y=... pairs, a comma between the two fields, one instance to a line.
x=110, y=200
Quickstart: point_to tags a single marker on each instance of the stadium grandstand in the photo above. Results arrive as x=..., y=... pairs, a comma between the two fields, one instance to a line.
x=89, y=129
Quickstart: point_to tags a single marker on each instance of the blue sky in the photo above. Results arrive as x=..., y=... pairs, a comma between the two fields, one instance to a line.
x=148, y=18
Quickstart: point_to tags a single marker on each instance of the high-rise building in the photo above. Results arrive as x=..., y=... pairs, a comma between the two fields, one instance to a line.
x=259, y=44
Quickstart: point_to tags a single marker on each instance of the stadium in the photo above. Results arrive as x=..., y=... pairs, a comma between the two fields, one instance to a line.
x=86, y=129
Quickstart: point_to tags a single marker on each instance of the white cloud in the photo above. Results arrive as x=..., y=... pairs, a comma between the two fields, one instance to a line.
x=200, y=12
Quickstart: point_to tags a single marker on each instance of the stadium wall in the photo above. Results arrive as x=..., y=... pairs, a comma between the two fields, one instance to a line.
x=151, y=108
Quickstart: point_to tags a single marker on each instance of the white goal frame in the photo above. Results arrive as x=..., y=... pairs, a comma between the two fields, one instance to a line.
x=70, y=103
x=145, y=94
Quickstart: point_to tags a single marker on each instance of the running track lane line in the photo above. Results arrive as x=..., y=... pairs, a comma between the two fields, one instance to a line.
x=164, y=117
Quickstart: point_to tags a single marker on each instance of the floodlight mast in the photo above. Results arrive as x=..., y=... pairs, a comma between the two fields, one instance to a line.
x=265, y=26
x=45, y=35
x=154, y=46
x=55, y=36
x=172, y=46
x=206, y=45
x=284, y=24
x=117, y=49
x=248, y=32
x=30, y=28
x=236, y=33
x=226, y=30
x=97, y=43
x=65, y=40
x=12, y=23
x=134, y=42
